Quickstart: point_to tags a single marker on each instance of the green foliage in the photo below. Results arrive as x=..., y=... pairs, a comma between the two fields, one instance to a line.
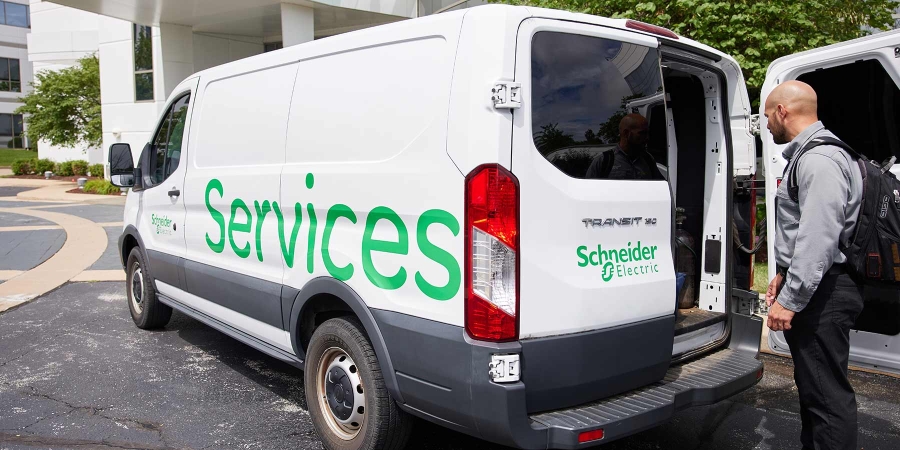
x=64, y=169
x=100, y=187
x=22, y=167
x=44, y=165
x=95, y=170
x=79, y=167
x=64, y=106
x=754, y=32
x=551, y=137
x=8, y=156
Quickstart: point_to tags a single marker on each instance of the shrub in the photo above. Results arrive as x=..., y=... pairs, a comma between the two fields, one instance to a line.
x=100, y=187
x=95, y=170
x=79, y=167
x=64, y=169
x=44, y=165
x=22, y=167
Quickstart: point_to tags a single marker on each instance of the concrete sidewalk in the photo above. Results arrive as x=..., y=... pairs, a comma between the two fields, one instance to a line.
x=56, y=191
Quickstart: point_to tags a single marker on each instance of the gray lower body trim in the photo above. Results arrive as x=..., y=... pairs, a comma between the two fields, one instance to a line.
x=252, y=297
x=442, y=377
x=564, y=371
x=232, y=332
x=167, y=268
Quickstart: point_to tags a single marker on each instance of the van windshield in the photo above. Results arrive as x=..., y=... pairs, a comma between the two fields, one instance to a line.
x=598, y=107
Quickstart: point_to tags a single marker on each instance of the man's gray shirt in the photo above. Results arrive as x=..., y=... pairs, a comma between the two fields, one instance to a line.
x=809, y=234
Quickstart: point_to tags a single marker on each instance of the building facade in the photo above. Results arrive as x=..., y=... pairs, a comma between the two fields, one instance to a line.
x=15, y=71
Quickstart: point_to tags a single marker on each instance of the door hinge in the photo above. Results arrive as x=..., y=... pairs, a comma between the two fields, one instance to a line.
x=506, y=95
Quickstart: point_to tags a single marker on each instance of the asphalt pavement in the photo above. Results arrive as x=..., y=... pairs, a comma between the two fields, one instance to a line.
x=76, y=373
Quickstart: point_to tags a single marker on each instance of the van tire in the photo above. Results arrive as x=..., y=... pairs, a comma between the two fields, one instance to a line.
x=386, y=427
x=146, y=310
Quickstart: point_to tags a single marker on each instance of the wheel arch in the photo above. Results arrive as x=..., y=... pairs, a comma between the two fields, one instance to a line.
x=129, y=239
x=323, y=298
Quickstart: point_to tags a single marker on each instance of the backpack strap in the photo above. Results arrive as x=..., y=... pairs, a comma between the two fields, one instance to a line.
x=606, y=163
x=792, y=187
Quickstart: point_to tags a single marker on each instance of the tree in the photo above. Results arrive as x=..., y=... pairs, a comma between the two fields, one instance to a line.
x=64, y=107
x=551, y=138
x=754, y=32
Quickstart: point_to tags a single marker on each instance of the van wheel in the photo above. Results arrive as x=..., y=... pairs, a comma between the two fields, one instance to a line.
x=350, y=407
x=146, y=310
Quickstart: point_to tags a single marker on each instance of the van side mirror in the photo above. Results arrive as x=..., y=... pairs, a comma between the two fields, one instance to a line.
x=121, y=165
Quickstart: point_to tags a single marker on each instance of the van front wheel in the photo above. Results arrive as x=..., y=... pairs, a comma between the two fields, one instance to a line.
x=350, y=406
x=146, y=311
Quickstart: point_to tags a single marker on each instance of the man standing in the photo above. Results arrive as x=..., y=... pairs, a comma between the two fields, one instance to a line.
x=812, y=298
x=629, y=160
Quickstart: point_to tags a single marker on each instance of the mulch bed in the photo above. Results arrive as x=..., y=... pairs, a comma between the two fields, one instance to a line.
x=79, y=191
x=73, y=178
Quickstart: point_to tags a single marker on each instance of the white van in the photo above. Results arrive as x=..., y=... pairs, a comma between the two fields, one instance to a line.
x=859, y=100
x=381, y=209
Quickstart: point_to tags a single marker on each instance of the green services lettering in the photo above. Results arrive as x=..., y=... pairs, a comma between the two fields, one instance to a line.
x=633, y=260
x=241, y=235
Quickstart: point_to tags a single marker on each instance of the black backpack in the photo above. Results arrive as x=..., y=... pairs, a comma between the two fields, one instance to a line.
x=873, y=255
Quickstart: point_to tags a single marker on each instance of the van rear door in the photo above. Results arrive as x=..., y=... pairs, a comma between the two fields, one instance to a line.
x=859, y=100
x=595, y=253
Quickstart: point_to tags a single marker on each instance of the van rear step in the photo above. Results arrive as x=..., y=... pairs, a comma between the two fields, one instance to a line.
x=698, y=382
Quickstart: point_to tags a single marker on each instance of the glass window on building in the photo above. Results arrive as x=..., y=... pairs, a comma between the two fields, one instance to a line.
x=16, y=14
x=12, y=131
x=9, y=75
x=143, y=63
x=272, y=46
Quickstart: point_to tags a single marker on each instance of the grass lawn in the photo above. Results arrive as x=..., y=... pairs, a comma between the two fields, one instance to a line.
x=9, y=155
x=760, y=277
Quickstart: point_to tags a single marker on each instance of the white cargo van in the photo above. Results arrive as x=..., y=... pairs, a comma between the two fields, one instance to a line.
x=859, y=100
x=408, y=220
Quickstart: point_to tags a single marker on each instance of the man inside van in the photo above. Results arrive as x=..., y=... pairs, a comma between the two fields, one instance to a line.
x=812, y=298
x=630, y=159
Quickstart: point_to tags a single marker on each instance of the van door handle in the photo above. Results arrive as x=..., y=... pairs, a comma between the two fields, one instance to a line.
x=174, y=193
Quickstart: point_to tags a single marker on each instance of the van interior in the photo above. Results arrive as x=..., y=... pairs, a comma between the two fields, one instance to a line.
x=860, y=103
x=690, y=143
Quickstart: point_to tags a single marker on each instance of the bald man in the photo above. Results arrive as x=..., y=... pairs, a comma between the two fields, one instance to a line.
x=631, y=160
x=812, y=298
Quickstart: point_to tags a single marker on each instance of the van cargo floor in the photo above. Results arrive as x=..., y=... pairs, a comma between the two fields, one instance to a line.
x=694, y=319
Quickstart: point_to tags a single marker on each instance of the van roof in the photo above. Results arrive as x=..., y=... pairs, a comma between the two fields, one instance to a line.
x=336, y=43
x=871, y=41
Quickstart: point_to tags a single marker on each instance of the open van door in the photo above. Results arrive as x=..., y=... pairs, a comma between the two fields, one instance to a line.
x=858, y=84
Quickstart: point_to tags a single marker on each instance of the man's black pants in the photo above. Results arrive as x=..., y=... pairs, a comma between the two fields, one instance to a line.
x=820, y=346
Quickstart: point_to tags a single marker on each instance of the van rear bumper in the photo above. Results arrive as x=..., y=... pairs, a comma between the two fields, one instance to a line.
x=442, y=376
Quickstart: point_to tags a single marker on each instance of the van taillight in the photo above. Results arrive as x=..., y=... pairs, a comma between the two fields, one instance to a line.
x=492, y=260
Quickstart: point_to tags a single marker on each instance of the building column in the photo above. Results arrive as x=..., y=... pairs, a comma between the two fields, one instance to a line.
x=297, y=25
x=176, y=57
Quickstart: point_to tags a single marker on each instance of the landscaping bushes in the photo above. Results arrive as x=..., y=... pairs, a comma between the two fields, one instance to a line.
x=43, y=165
x=100, y=187
x=64, y=169
x=22, y=167
x=79, y=167
x=95, y=170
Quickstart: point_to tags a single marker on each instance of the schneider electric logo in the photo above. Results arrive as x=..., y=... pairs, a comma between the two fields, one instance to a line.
x=162, y=224
x=631, y=261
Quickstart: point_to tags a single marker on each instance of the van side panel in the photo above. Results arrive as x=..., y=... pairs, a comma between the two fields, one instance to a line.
x=231, y=191
x=368, y=194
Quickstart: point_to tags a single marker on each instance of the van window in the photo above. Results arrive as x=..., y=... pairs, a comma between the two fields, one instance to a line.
x=243, y=119
x=860, y=104
x=584, y=91
x=167, y=143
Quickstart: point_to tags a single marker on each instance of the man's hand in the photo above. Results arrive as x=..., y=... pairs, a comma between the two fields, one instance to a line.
x=779, y=317
x=774, y=288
